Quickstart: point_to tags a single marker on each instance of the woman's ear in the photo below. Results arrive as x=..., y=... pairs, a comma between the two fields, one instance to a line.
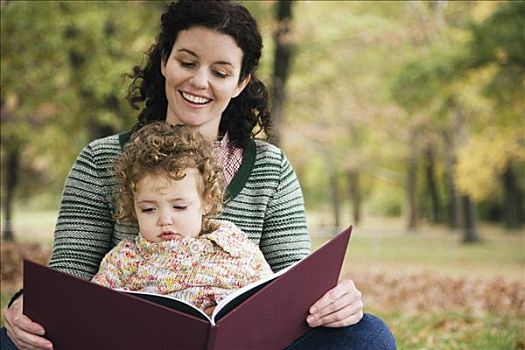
x=240, y=87
x=163, y=67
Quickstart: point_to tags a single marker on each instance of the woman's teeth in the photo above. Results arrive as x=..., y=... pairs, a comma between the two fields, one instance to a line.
x=195, y=99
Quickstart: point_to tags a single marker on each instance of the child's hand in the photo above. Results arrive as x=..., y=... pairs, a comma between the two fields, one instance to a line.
x=208, y=311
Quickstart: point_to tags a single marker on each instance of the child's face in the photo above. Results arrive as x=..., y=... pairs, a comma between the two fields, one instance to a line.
x=167, y=208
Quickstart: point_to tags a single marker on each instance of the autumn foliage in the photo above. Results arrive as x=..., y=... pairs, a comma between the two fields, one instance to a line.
x=12, y=258
x=428, y=292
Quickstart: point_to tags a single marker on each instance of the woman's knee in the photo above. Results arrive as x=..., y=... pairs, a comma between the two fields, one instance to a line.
x=373, y=332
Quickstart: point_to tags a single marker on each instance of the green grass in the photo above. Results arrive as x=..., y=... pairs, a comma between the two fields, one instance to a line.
x=435, y=249
x=34, y=226
x=386, y=246
x=448, y=331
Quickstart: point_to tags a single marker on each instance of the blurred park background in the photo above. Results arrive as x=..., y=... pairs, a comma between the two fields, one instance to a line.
x=404, y=119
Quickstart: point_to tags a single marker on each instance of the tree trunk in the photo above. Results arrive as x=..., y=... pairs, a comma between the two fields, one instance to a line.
x=283, y=54
x=355, y=196
x=334, y=191
x=470, y=234
x=454, y=202
x=435, y=203
x=521, y=206
x=11, y=168
x=412, y=212
x=511, y=200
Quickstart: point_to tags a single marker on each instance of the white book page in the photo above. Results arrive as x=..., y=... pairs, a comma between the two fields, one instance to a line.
x=246, y=288
x=223, y=302
x=167, y=297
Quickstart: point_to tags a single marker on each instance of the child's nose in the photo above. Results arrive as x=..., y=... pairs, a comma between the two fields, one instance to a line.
x=165, y=219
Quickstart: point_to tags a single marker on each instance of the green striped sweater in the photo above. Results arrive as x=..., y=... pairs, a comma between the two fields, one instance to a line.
x=263, y=199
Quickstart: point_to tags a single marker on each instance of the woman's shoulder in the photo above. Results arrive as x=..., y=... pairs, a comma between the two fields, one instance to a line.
x=95, y=161
x=268, y=153
x=264, y=147
x=101, y=151
x=268, y=156
x=108, y=143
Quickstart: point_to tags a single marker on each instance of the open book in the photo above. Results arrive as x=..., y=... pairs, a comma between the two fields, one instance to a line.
x=223, y=307
x=268, y=314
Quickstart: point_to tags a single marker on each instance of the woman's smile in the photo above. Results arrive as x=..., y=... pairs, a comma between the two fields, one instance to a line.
x=200, y=100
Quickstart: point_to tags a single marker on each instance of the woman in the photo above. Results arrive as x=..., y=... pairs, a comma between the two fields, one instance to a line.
x=201, y=73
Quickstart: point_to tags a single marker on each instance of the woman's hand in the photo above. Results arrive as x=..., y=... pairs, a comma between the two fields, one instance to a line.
x=25, y=333
x=339, y=307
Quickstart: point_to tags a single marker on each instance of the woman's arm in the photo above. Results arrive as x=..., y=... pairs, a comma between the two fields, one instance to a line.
x=285, y=237
x=85, y=225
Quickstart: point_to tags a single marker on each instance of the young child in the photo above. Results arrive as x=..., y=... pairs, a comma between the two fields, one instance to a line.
x=170, y=182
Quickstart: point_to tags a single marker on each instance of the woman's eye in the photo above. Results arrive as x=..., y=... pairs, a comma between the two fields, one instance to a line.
x=187, y=64
x=180, y=207
x=220, y=74
x=147, y=210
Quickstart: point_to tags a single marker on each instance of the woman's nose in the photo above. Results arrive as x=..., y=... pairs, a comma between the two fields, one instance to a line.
x=200, y=79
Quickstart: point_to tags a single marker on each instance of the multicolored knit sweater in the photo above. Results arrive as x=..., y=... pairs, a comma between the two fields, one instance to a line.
x=201, y=271
x=263, y=199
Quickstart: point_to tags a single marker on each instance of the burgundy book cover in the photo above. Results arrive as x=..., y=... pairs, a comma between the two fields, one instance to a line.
x=78, y=314
x=276, y=315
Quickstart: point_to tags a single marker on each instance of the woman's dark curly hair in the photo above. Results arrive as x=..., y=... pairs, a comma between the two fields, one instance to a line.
x=246, y=111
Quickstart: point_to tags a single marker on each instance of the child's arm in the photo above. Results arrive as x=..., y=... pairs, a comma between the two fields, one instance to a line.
x=118, y=266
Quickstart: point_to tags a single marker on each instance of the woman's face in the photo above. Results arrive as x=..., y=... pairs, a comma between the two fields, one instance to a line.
x=202, y=76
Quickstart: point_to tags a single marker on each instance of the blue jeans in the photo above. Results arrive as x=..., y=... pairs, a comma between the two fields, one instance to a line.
x=5, y=341
x=370, y=333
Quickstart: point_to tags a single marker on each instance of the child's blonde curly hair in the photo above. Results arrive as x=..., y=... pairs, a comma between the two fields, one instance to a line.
x=162, y=149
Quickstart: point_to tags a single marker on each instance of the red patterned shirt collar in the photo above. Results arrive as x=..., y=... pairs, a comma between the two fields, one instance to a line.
x=229, y=157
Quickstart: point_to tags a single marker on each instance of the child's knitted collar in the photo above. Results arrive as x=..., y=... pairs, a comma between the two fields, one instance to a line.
x=227, y=237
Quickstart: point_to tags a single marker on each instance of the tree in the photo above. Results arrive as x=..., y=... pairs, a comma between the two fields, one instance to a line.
x=426, y=85
x=282, y=60
x=497, y=52
x=12, y=158
x=62, y=65
x=335, y=98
